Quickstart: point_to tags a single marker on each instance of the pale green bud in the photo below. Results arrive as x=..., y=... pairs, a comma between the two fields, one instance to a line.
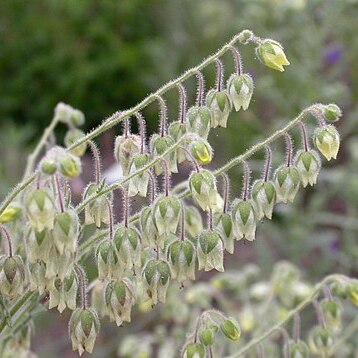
x=11, y=213
x=166, y=213
x=308, y=164
x=271, y=54
x=206, y=337
x=37, y=277
x=287, y=183
x=125, y=149
x=139, y=184
x=224, y=225
x=201, y=151
x=147, y=226
x=264, y=197
x=298, y=349
x=199, y=121
x=240, y=89
x=193, y=221
x=160, y=145
x=332, y=312
x=210, y=251
x=182, y=259
x=96, y=212
x=48, y=165
x=98, y=299
x=246, y=36
x=327, y=141
x=12, y=276
x=58, y=265
x=127, y=245
x=65, y=231
x=119, y=299
x=320, y=341
x=63, y=293
x=220, y=106
x=40, y=209
x=70, y=115
x=83, y=329
x=203, y=189
x=73, y=136
x=231, y=329
x=108, y=263
x=331, y=112
x=38, y=245
x=176, y=130
x=69, y=166
x=194, y=350
x=352, y=291
x=156, y=278
x=244, y=219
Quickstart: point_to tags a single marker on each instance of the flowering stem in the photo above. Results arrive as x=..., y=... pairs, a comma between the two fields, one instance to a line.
x=201, y=89
x=304, y=137
x=97, y=161
x=110, y=214
x=289, y=149
x=182, y=224
x=153, y=186
x=182, y=102
x=226, y=183
x=245, y=191
x=8, y=238
x=237, y=59
x=192, y=159
x=166, y=177
x=318, y=115
x=319, y=313
x=163, y=116
x=210, y=219
x=296, y=327
x=125, y=206
x=82, y=277
x=142, y=131
x=59, y=193
x=268, y=160
x=126, y=127
x=219, y=74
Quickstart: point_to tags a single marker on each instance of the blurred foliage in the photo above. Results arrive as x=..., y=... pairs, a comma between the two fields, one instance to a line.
x=104, y=56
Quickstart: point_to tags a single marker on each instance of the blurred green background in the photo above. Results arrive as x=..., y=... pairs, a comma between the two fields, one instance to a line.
x=103, y=56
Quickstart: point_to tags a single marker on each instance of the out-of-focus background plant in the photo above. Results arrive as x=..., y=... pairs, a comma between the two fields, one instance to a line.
x=104, y=56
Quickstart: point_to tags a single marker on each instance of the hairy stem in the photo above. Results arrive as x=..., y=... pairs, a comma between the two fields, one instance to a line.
x=97, y=161
x=8, y=238
x=83, y=279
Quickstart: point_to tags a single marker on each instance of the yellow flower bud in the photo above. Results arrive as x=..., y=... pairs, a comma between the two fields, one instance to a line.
x=11, y=213
x=327, y=141
x=271, y=54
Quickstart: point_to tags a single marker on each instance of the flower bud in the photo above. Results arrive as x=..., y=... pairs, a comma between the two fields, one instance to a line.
x=70, y=115
x=65, y=231
x=203, y=189
x=240, y=89
x=156, y=279
x=125, y=149
x=206, y=337
x=119, y=299
x=69, y=166
x=127, y=245
x=210, y=251
x=320, y=341
x=73, y=136
x=83, y=329
x=58, y=265
x=48, y=165
x=11, y=213
x=308, y=164
x=327, y=141
x=96, y=212
x=287, y=183
x=40, y=209
x=194, y=350
x=63, y=293
x=139, y=184
x=224, y=225
x=182, y=261
x=245, y=36
x=352, y=291
x=332, y=312
x=98, y=299
x=201, y=151
x=230, y=329
x=147, y=226
x=193, y=221
x=166, y=213
x=298, y=349
x=108, y=263
x=12, y=276
x=159, y=145
x=271, y=54
x=38, y=245
x=176, y=130
x=331, y=112
x=38, y=281
x=264, y=197
x=244, y=219
x=199, y=121
x=220, y=106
